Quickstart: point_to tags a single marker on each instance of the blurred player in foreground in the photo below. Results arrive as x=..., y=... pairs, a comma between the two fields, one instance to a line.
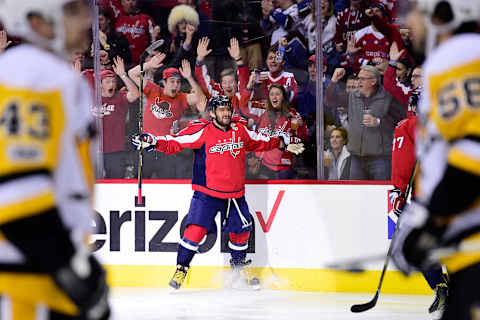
x=46, y=172
x=446, y=211
x=220, y=147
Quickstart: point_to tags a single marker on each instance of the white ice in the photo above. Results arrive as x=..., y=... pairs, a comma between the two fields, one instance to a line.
x=199, y=304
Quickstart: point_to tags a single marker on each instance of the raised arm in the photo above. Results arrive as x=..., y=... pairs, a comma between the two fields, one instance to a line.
x=207, y=84
x=154, y=63
x=332, y=96
x=119, y=69
x=195, y=97
x=234, y=51
x=398, y=91
x=4, y=43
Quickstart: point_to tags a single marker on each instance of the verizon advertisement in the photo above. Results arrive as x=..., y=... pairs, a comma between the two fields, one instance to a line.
x=296, y=226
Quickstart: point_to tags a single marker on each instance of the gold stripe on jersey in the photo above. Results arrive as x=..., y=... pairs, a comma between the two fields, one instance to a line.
x=455, y=98
x=27, y=207
x=21, y=310
x=31, y=124
x=34, y=289
x=83, y=149
x=459, y=159
x=462, y=260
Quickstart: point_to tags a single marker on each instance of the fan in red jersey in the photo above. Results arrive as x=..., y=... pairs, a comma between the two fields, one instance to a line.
x=279, y=118
x=139, y=28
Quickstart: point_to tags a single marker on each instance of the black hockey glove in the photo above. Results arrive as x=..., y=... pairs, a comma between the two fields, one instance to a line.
x=83, y=280
x=420, y=242
x=415, y=238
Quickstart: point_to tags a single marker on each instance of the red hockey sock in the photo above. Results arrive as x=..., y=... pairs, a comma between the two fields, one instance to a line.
x=194, y=233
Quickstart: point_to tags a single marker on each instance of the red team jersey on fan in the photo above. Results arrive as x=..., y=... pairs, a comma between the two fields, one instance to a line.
x=373, y=43
x=114, y=7
x=276, y=159
x=212, y=88
x=286, y=79
x=403, y=152
x=161, y=110
x=137, y=30
x=256, y=105
x=114, y=112
x=348, y=22
x=219, y=161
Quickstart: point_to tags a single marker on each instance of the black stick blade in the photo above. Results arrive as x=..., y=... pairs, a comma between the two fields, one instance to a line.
x=356, y=308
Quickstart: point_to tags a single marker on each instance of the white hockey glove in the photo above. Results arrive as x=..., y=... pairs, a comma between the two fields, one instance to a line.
x=293, y=144
x=146, y=141
x=295, y=148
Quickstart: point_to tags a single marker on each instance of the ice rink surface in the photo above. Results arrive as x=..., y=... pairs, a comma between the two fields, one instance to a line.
x=199, y=304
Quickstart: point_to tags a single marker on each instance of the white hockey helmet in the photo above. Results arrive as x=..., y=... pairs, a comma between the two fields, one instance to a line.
x=462, y=10
x=14, y=16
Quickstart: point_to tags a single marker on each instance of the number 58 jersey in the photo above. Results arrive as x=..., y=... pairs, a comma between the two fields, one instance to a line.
x=449, y=112
x=45, y=141
x=448, y=141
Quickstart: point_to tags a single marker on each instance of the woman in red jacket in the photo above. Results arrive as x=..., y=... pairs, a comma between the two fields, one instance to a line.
x=279, y=117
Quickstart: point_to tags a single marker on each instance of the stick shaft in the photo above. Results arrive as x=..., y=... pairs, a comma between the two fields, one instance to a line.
x=369, y=305
x=140, y=131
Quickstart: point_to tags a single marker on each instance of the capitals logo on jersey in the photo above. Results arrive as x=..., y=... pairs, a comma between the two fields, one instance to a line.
x=276, y=132
x=135, y=30
x=161, y=109
x=228, y=145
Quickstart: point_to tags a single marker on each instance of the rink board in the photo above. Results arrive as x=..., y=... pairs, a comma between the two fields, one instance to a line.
x=299, y=230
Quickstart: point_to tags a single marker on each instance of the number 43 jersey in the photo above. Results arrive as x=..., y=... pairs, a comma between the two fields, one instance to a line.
x=448, y=140
x=45, y=141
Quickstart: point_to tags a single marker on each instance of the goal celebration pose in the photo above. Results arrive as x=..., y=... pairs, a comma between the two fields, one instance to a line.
x=220, y=146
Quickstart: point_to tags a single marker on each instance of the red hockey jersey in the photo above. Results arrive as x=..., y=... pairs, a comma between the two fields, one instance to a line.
x=278, y=160
x=403, y=152
x=286, y=79
x=212, y=88
x=219, y=156
x=257, y=104
x=348, y=22
x=373, y=43
x=137, y=29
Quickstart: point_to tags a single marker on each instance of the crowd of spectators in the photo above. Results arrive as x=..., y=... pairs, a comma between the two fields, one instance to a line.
x=261, y=54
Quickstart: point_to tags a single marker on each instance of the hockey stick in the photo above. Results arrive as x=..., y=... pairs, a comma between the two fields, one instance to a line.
x=355, y=265
x=370, y=304
x=155, y=45
x=139, y=202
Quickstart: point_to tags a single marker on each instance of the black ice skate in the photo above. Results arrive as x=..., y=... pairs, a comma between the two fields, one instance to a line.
x=242, y=276
x=178, y=277
x=438, y=305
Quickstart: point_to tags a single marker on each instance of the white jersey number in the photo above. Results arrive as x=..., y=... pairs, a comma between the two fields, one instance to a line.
x=398, y=141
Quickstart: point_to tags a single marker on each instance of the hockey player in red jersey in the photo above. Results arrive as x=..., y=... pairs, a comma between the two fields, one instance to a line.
x=403, y=161
x=220, y=147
